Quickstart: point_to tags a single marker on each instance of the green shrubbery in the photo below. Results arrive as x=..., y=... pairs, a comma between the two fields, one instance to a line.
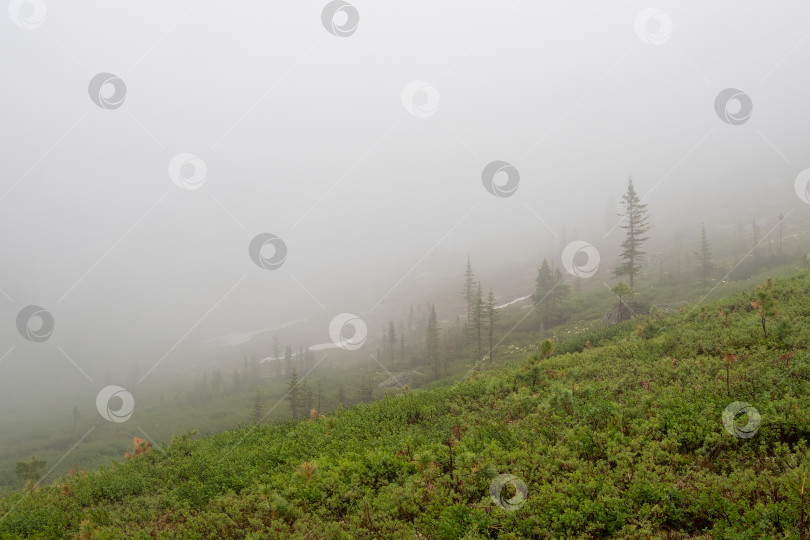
x=618, y=433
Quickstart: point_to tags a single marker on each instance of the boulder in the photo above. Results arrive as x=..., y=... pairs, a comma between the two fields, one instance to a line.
x=621, y=312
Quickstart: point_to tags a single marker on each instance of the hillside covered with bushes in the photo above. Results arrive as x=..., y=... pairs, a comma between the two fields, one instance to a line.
x=618, y=432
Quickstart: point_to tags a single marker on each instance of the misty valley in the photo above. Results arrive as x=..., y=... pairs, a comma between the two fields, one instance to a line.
x=404, y=271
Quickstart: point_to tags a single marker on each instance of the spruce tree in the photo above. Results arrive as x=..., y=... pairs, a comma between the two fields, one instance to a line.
x=432, y=340
x=704, y=256
x=492, y=316
x=469, y=289
x=366, y=392
x=549, y=294
x=543, y=284
x=294, y=393
x=478, y=318
x=636, y=223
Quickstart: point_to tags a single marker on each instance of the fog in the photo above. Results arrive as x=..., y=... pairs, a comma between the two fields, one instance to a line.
x=307, y=136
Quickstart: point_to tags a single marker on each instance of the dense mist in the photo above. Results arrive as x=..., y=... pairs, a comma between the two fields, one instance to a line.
x=304, y=135
x=185, y=182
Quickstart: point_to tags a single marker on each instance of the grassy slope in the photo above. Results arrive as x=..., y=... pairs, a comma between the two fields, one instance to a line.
x=622, y=439
x=45, y=426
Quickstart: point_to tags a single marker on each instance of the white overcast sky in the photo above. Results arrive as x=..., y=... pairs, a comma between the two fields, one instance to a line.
x=304, y=135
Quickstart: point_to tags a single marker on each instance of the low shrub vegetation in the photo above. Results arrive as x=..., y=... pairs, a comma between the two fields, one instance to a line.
x=617, y=432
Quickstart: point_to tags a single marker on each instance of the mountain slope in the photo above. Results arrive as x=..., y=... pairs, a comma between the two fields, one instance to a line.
x=619, y=433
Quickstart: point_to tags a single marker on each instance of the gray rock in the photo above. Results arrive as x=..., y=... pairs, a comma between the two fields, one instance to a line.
x=618, y=314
